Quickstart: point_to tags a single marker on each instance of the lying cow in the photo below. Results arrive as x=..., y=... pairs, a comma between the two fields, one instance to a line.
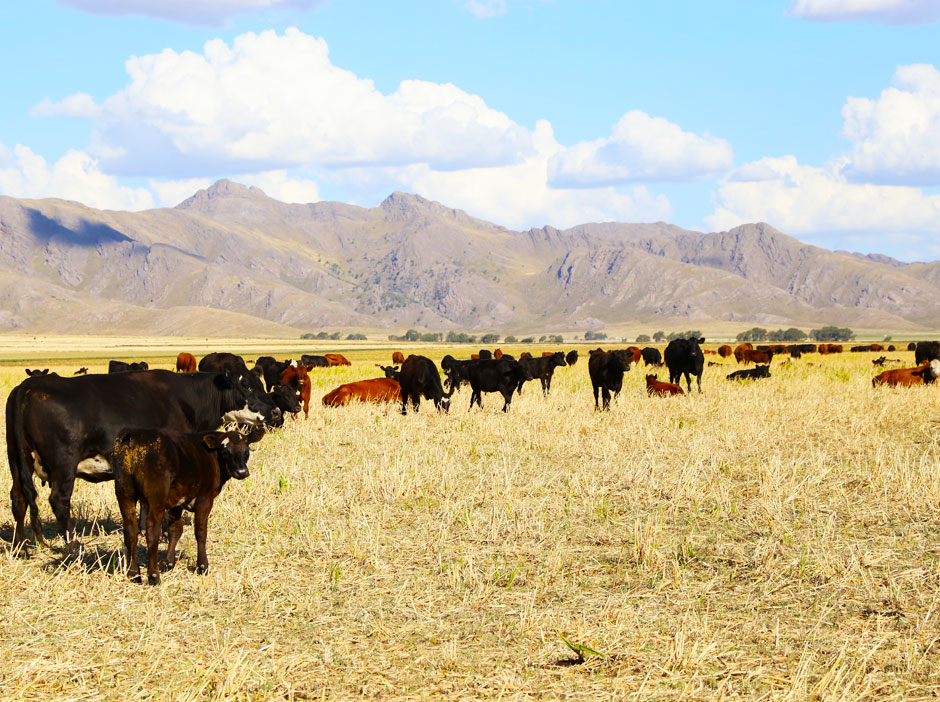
x=371, y=390
x=654, y=386
x=123, y=367
x=755, y=373
x=171, y=471
x=905, y=377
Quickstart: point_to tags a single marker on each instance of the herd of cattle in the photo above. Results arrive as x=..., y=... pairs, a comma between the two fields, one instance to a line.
x=156, y=432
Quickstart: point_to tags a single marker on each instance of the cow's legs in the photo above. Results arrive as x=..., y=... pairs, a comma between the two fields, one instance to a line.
x=596, y=387
x=174, y=531
x=60, y=499
x=605, y=393
x=128, y=505
x=507, y=396
x=698, y=379
x=154, y=527
x=201, y=527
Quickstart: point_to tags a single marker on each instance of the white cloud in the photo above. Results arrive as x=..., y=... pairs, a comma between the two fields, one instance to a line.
x=894, y=12
x=205, y=12
x=75, y=176
x=520, y=196
x=640, y=148
x=808, y=201
x=270, y=101
x=78, y=105
x=484, y=9
x=170, y=193
x=897, y=136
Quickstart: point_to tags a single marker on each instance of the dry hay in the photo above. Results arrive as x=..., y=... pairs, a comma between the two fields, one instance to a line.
x=773, y=540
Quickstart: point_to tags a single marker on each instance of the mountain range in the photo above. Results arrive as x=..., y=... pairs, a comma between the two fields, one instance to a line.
x=232, y=261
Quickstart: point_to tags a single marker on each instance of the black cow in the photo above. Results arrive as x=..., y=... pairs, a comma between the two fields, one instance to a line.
x=652, y=356
x=169, y=472
x=314, y=361
x=912, y=346
x=500, y=375
x=64, y=428
x=571, y=357
x=287, y=399
x=221, y=362
x=685, y=357
x=606, y=369
x=542, y=367
x=419, y=376
x=122, y=367
x=457, y=371
x=391, y=372
x=926, y=351
x=36, y=373
x=754, y=373
x=270, y=369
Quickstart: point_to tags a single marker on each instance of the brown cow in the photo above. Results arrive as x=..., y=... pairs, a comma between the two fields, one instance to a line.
x=498, y=353
x=337, y=359
x=525, y=354
x=905, y=377
x=724, y=351
x=168, y=472
x=657, y=387
x=739, y=351
x=634, y=355
x=876, y=347
x=185, y=363
x=754, y=356
x=298, y=377
x=398, y=358
x=372, y=390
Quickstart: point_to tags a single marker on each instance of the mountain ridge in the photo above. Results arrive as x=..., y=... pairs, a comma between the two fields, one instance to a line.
x=414, y=262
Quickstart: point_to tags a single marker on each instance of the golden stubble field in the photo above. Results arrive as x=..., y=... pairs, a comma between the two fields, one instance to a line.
x=776, y=540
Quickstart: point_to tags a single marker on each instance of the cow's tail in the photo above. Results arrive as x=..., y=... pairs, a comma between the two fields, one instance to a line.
x=20, y=469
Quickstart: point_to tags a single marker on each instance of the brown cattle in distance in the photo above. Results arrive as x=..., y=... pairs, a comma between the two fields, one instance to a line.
x=655, y=386
x=337, y=359
x=739, y=351
x=398, y=358
x=498, y=353
x=753, y=356
x=372, y=390
x=185, y=363
x=724, y=351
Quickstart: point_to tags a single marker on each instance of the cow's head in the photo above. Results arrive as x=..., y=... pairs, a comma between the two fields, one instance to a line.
x=244, y=400
x=233, y=449
x=930, y=371
x=392, y=372
x=558, y=359
x=762, y=371
x=286, y=398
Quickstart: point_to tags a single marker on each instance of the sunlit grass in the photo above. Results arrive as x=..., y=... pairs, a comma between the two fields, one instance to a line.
x=776, y=539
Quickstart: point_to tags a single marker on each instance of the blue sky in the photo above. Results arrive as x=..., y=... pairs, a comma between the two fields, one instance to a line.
x=821, y=117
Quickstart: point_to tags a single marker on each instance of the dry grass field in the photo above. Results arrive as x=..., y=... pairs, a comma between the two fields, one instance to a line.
x=776, y=540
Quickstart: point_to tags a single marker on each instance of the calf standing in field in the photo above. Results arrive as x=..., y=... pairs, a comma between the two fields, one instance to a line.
x=173, y=471
x=606, y=369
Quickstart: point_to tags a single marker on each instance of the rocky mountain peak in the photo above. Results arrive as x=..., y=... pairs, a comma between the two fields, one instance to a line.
x=222, y=190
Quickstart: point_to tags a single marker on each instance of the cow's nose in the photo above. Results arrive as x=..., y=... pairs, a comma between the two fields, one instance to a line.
x=275, y=413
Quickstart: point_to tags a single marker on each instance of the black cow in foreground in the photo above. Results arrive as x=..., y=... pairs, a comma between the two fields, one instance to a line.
x=606, y=369
x=224, y=362
x=542, y=367
x=926, y=351
x=64, y=428
x=652, y=356
x=169, y=472
x=685, y=357
x=754, y=373
x=122, y=367
x=419, y=377
x=36, y=373
x=500, y=375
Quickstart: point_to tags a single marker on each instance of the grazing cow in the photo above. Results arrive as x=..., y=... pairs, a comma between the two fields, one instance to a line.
x=313, y=361
x=337, y=359
x=398, y=357
x=81, y=371
x=542, y=368
x=656, y=387
x=185, y=363
x=570, y=358
x=298, y=379
x=724, y=351
x=606, y=369
x=891, y=348
x=859, y=349
x=740, y=349
x=372, y=390
x=905, y=377
x=64, y=428
x=456, y=371
x=499, y=375
x=926, y=351
x=35, y=373
x=794, y=351
x=122, y=367
x=220, y=362
x=758, y=356
x=169, y=472
x=876, y=347
x=652, y=356
x=750, y=373
x=419, y=376
x=634, y=354
x=685, y=357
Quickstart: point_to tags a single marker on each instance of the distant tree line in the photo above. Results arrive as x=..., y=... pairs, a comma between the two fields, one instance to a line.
x=455, y=337
x=321, y=336
x=830, y=333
